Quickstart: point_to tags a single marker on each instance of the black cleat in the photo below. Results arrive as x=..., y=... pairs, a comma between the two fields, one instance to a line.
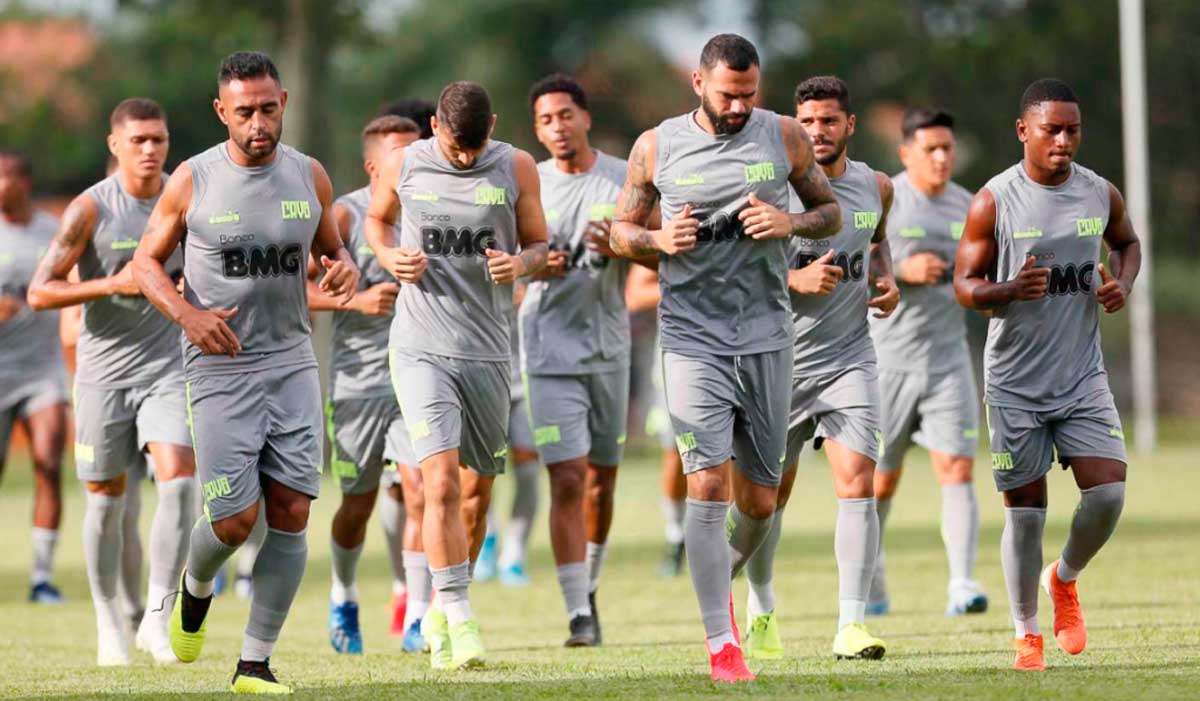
x=583, y=632
x=672, y=560
x=256, y=678
x=595, y=617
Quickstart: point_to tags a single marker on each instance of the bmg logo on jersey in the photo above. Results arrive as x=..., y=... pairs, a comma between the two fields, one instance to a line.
x=261, y=261
x=456, y=241
x=295, y=209
x=1070, y=279
x=853, y=266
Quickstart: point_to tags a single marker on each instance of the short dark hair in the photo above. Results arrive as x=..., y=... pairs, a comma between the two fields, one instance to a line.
x=824, y=87
x=465, y=111
x=243, y=65
x=558, y=82
x=135, y=108
x=731, y=49
x=413, y=108
x=1046, y=90
x=23, y=161
x=389, y=124
x=917, y=118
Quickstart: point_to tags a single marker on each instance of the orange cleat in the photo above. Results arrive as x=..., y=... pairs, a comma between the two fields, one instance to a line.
x=1030, y=657
x=733, y=620
x=399, y=609
x=729, y=666
x=1069, y=629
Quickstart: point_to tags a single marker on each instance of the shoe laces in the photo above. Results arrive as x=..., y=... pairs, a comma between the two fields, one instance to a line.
x=348, y=622
x=759, y=624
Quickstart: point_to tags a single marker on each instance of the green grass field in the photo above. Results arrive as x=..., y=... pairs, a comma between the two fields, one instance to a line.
x=1140, y=598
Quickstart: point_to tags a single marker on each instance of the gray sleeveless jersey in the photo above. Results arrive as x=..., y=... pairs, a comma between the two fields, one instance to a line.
x=359, y=358
x=454, y=215
x=831, y=330
x=578, y=324
x=728, y=296
x=928, y=328
x=249, y=231
x=1045, y=354
x=123, y=341
x=29, y=339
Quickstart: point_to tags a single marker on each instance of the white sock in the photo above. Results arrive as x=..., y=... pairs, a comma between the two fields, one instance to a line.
x=44, y=542
x=255, y=650
x=398, y=587
x=595, y=561
x=851, y=611
x=159, y=600
x=761, y=599
x=458, y=611
x=1026, y=626
x=198, y=589
x=340, y=593
x=719, y=641
x=673, y=511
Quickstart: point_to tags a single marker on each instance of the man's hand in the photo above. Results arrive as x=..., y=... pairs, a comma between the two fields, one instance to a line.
x=405, y=264
x=678, y=234
x=1111, y=294
x=503, y=267
x=207, y=330
x=1031, y=283
x=378, y=299
x=123, y=283
x=887, y=299
x=556, y=266
x=816, y=278
x=925, y=268
x=9, y=306
x=762, y=221
x=340, y=279
x=598, y=237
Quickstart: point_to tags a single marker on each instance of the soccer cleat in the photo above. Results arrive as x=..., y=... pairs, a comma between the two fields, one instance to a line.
x=152, y=638
x=485, y=564
x=45, y=593
x=762, y=641
x=1069, y=628
x=966, y=598
x=853, y=642
x=1030, y=657
x=879, y=608
x=513, y=575
x=595, y=615
x=729, y=666
x=583, y=632
x=436, y=632
x=344, y=633
x=671, y=564
x=399, y=610
x=466, y=646
x=187, y=644
x=733, y=620
x=112, y=643
x=243, y=587
x=257, y=678
x=413, y=640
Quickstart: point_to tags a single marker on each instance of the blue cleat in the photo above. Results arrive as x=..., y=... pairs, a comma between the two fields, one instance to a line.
x=879, y=608
x=219, y=582
x=45, y=593
x=344, y=634
x=413, y=640
x=485, y=565
x=514, y=575
x=967, y=602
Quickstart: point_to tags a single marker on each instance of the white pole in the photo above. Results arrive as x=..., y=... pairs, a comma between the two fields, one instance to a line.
x=1137, y=201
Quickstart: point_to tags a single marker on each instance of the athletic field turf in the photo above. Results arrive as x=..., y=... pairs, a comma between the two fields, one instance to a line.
x=1140, y=597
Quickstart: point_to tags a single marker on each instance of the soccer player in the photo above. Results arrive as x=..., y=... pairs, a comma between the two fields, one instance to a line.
x=129, y=387
x=926, y=382
x=362, y=412
x=33, y=383
x=414, y=108
x=247, y=210
x=466, y=201
x=835, y=394
x=575, y=347
x=722, y=173
x=1030, y=255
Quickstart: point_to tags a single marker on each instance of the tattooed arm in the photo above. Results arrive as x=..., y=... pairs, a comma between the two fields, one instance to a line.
x=821, y=217
x=531, y=220
x=634, y=234
x=50, y=288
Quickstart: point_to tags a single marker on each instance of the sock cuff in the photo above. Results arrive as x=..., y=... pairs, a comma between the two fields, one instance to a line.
x=1025, y=510
x=857, y=503
x=571, y=569
x=967, y=487
x=1103, y=489
x=104, y=500
x=454, y=577
x=45, y=535
x=286, y=541
x=710, y=506
x=414, y=558
x=356, y=550
x=177, y=484
x=527, y=465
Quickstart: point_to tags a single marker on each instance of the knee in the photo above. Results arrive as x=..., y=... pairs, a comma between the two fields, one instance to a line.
x=288, y=513
x=601, y=491
x=855, y=484
x=886, y=484
x=443, y=489
x=46, y=473
x=566, y=485
x=709, y=485
x=759, y=508
x=235, y=530
x=357, y=508
x=1030, y=496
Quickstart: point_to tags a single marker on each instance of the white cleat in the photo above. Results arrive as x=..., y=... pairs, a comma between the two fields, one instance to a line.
x=152, y=638
x=112, y=635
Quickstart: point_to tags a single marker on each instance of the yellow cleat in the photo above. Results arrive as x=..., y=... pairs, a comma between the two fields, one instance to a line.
x=854, y=643
x=437, y=636
x=257, y=678
x=467, y=645
x=762, y=641
x=185, y=645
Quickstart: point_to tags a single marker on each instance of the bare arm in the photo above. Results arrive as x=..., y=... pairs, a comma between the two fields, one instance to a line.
x=976, y=260
x=531, y=220
x=51, y=287
x=1124, y=255
x=340, y=278
x=318, y=299
x=405, y=264
x=821, y=217
x=632, y=235
x=881, y=256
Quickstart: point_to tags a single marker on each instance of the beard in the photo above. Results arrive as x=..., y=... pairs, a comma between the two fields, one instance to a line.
x=838, y=149
x=727, y=123
x=248, y=147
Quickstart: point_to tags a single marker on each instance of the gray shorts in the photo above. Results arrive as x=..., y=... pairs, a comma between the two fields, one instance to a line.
x=842, y=406
x=520, y=434
x=1024, y=442
x=578, y=416
x=251, y=425
x=726, y=407
x=360, y=430
x=939, y=411
x=113, y=426
x=18, y=400
x=452, y=403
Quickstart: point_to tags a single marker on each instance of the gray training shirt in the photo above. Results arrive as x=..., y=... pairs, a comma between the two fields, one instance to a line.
x=1045, y=354
x=124, y=341
x=359, y=357
x=578, y=324
x=831, y=330
x=455, y=309
x=928, y=330
x=727, y=296
x=249, y=231
x=28, y=340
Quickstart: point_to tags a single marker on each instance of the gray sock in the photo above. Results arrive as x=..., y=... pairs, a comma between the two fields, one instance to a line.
x=206, y=555
x=856, y=547
x=745, y=535
x=1094, y=522
x=129, y=585
x=1021, y=559
x=573, y=580
x=524, y=511
x=451, y=584
x=169, y=537
x=249, y=550
x=45, y=540
x=760, y=570
x=708, y=559
x=878, y=592
x=420, y=584
x=277, y=574
x=595, y=562
x=345, y=568
x=960, y=529
x=102, y=543
x=391, y=517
